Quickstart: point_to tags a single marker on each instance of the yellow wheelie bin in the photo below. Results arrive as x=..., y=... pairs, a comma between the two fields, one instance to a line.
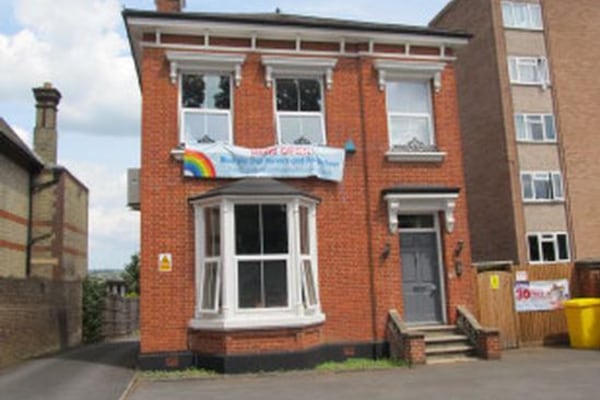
x=583, y=321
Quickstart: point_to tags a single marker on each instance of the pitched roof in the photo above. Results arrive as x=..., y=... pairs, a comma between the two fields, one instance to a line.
x=14, y=148
x=279, y=19
x=254, y=187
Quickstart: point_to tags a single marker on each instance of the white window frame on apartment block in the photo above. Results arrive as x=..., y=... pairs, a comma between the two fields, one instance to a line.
x=524, y=125
x=530, y=22
x=227, y=313
x=210, y=64
x=539, y=66
x=548, y=237
x=552, y=178
x=317, y=68
x=429, y=73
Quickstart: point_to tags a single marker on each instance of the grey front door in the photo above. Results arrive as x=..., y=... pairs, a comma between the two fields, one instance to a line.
x=420, y=277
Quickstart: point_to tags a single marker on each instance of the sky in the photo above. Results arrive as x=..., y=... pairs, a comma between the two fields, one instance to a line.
x=81, y=47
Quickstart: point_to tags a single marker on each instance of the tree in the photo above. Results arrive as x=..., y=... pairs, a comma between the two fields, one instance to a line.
x=131, y=274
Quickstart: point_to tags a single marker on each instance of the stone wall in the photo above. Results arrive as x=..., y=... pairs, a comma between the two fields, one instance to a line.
x=37, y=317
x=121, y=316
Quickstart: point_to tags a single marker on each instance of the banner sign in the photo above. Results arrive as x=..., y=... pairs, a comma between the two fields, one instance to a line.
x=218, y=160
x=541, y=295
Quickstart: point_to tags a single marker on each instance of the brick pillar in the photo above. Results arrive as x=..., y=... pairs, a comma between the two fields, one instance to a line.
x=169, y=5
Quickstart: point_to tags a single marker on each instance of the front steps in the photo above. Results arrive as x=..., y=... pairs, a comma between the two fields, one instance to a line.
x=445, y=344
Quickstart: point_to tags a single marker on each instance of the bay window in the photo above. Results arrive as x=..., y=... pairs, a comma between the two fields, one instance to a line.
x=256, y=261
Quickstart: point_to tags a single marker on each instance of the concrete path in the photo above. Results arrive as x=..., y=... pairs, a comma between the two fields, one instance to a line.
x=530, y=374
x=96, y=372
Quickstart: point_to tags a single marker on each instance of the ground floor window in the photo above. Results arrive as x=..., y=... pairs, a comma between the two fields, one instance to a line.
x=548, y=247
x=256, y=262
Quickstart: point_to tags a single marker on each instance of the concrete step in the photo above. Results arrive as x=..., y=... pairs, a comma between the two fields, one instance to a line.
x=448, y=349
x=446, y=338
x=449, y=358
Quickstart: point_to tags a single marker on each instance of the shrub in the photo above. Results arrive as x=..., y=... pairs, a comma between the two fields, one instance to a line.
x=94, y=293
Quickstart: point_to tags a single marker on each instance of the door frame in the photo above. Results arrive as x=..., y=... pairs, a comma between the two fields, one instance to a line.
x=441, y=269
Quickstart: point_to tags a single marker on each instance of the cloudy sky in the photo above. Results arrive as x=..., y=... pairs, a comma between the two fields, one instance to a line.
x=80, y=46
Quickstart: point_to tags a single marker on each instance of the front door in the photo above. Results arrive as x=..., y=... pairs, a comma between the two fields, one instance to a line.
x=421, y=283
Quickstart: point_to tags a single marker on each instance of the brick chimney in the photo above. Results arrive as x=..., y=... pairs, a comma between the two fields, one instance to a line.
x=169, y=5
x=44, y=134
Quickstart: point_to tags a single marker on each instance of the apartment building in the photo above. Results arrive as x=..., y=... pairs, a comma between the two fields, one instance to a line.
x=300, y=178
x=527, y=108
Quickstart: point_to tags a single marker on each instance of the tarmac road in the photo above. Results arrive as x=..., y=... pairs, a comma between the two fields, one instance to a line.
x=528, y=374
x=95, y=372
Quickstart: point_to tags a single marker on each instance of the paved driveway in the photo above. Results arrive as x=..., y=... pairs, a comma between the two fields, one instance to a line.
x=529, y=374
x=96, y=372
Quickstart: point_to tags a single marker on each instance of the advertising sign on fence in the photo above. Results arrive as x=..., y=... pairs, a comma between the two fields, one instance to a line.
x=219, y=160
x=541, y=295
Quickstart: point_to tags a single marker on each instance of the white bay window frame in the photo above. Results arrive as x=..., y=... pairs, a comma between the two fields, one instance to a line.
x=229, y=315
x=524, y=127
x=551, y=178
x=517, y=68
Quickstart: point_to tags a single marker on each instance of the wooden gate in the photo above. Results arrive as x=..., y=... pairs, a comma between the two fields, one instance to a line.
x=496, y=302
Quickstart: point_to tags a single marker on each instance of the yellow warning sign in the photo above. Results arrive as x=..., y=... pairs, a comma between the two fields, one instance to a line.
x=165, y=262
x=495, y=282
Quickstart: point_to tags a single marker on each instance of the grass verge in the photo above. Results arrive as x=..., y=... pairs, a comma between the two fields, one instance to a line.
x=358, y=364
x=179, y=374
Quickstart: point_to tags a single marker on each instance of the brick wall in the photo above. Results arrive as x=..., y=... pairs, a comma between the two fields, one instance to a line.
x=351, y=219
x=37, y=317
x=120, y=315
x=14, y=212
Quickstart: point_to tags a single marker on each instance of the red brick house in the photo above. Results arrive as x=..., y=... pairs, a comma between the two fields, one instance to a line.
x=300, y=178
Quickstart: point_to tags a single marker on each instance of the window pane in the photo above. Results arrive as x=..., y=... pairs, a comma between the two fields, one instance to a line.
x=304, y=235
x=557, y=186
x=247, y=230
x=312, y=129
x=526, y=182
x=528, y=72
x=415, y=221
x=520, y=127
x=512, y=69
x=408, y=96
x=301, y=129
x=310, y=292
x=563, y=250
x=275, y=275
x=507, y=14
x=534, y=250
x=290, y=128
x=274, y=222
x=536, y=16
x=217, y=127
x=310, y=94
x=217, y=92
x=404, y=129
x=193, y=123
x=209, y=286
x=249, y=284
x=521, y=15
x=536, y=127
x=550, y=130
x=548, y=253
x=212, y=232
x=192, y=91
x=542, y=187
x=287, y=95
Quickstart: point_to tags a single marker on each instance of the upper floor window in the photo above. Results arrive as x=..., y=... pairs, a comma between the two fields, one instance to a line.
x=522, y=15
x=548, y=247
x=528, y=70
x=535, y=127
x=542, y=186
x=300, y=116
x=206, y=108
x=410, y=121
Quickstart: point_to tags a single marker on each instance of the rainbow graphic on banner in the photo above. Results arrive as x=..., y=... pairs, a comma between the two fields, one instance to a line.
x=197, y=164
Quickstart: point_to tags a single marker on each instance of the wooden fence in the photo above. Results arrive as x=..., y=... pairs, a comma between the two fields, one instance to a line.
x=495, y=287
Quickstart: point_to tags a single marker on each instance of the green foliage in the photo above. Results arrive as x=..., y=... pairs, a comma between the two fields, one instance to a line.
x=94, y=293
x=178, y=374
x=353, y=364
x=131, y=275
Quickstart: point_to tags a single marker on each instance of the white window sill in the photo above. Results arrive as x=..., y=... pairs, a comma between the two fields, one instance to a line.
x=244, y=322
x=430, y=157
x=523, y=29
x=532, y=84
x=525, y=141
x=544, y=201
x=543, y=263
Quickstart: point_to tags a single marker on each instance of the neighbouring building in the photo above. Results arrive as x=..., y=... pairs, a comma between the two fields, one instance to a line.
x=300, y=178
x=528, y=119
x=43, y=240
